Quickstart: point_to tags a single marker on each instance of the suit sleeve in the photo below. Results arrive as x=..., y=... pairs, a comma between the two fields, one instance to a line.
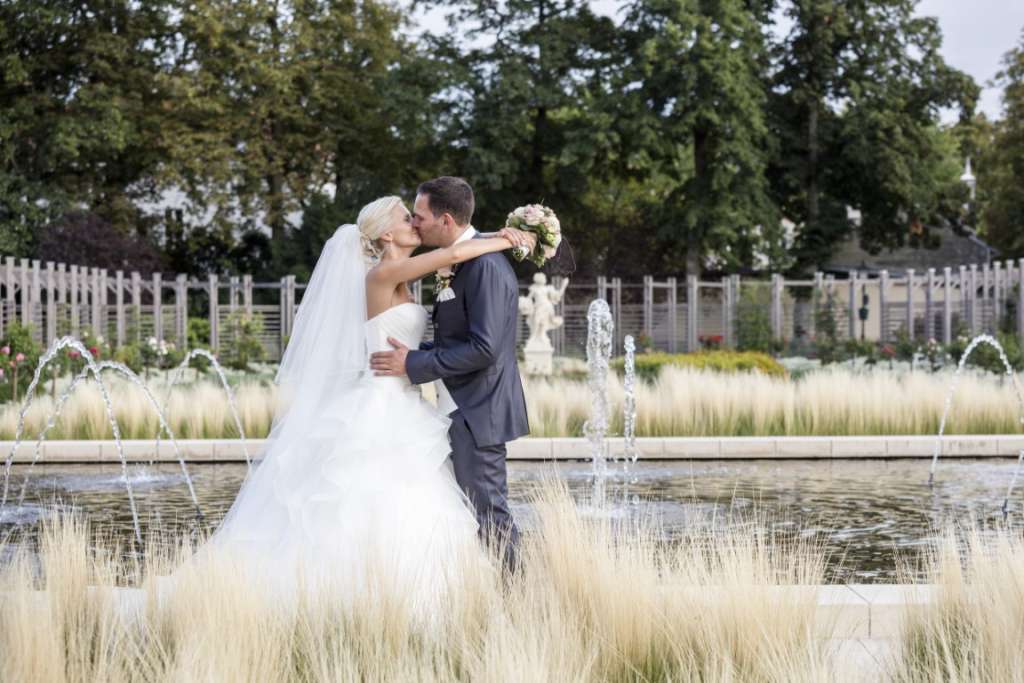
x=487, y=293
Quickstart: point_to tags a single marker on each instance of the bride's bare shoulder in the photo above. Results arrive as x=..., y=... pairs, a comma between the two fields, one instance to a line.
x=374, y=273
x=375, y=280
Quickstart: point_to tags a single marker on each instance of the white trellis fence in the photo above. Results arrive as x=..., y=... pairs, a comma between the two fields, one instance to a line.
x=671, y=314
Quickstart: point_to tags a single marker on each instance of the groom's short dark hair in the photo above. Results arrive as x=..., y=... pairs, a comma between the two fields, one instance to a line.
x=449, y=194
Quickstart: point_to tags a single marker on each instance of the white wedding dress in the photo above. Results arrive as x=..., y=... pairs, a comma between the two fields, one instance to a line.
x=364, y=495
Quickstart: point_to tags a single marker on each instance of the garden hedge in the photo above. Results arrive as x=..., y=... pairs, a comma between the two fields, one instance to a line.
x=648, y=365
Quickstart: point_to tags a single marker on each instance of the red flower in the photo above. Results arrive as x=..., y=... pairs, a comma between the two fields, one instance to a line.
x=94, y=351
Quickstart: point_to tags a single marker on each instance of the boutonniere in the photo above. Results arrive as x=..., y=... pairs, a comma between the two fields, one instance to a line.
x=443, y=285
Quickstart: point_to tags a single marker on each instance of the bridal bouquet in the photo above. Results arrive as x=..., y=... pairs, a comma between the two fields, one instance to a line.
x=542, y=222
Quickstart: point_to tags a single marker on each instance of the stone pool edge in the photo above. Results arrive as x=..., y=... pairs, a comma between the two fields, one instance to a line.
x=551, y=449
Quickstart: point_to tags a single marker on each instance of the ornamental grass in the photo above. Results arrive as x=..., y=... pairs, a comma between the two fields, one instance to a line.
x=830, y=402
x=680, y=402
x=972, y=628
x=594, y=600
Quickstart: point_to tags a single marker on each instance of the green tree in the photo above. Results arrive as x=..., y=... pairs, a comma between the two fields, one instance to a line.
x=854, y=108
x=81, y=103
x=693, y=92
x=519, y=80
x=1001, y=166
x=289, y=97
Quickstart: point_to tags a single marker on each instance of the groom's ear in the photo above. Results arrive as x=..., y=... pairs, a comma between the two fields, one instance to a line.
x=451, y=223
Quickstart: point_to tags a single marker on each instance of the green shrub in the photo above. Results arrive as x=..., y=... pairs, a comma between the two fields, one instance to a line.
x=986, y=357
x=644, y=343
x=198, y=333
x=71, y=361
x=904, y=346
x=753, y=321
x=198, y=330
x=130, y=355
x=648, y=365
x=19, y=355
x=827, y=347
x=861, y=348
x=172, y=358
x=245, y=346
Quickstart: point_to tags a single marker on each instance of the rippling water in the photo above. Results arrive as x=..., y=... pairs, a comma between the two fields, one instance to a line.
x=866, y=512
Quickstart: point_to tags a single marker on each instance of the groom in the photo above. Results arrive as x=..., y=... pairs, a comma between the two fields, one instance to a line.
x=474, y=354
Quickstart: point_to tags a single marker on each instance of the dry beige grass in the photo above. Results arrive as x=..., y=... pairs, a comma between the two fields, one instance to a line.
x=834, y=401
x=593, y=602
x=682, y=402
x=194, y=411
x=973, y=629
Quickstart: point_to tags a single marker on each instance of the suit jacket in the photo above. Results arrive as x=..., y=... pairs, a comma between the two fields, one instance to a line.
x=474, y=350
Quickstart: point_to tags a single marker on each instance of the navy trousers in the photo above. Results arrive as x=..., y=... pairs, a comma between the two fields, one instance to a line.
x=481, y=473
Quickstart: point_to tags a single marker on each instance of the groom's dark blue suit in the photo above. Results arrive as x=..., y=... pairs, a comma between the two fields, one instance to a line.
x=474, y=353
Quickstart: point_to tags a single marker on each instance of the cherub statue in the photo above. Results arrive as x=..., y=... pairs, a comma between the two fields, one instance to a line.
x=539, y=308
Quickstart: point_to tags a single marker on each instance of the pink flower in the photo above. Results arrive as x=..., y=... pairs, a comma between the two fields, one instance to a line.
x=73, y=354
x=6, y=350
x=19, y=358
x=533, y=214
x=94, y=351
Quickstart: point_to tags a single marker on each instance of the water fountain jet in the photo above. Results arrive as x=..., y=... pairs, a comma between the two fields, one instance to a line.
x=629, y=402
x=176, y=377
x=975, y=343
x=600, y=327
x=95, y=369
x=161, y=416
x=65, y=342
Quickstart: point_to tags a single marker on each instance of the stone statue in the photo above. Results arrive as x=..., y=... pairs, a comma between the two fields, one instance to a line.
x=539, y=308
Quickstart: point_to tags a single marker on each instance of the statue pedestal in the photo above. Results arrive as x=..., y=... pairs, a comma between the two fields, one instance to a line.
x=539, y=361
x=539, y=357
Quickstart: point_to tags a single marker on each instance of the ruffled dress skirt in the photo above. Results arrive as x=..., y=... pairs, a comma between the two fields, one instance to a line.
x=365, y=503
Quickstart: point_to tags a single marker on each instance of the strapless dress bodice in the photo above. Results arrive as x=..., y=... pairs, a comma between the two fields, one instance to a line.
x=405, y=322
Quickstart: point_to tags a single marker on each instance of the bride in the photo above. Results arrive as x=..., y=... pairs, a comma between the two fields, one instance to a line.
x=355, y=486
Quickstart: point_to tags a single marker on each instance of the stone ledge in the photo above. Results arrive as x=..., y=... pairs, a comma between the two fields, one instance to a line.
x=845, y=611
x=571, y=448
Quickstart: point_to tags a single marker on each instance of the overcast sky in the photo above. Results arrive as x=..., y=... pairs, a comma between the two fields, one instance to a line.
x=976, y=34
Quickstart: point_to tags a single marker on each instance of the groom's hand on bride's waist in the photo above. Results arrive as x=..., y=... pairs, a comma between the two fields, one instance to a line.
x=390, y=363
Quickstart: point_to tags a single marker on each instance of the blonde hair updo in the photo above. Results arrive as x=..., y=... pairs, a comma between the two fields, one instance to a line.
x=373, y=222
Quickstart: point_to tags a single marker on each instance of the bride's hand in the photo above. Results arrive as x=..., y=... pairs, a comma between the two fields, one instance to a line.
x=519, y=238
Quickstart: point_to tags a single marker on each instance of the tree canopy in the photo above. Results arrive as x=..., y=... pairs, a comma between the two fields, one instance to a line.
x=999, y=150
x=672, y=138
